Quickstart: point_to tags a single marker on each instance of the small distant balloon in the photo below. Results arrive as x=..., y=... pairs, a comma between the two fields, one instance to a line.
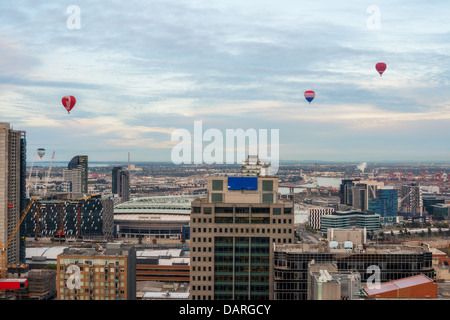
x=41, y=152
x=381, y=67
x=68, y=102
x=310, y=95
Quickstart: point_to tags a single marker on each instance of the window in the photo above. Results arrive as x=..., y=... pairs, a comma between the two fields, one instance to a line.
x=267, y=198
x=267, y=185
x=196, y=209
x=217, y=185
x=216, y=197
x=276, y=211
x=207, y=210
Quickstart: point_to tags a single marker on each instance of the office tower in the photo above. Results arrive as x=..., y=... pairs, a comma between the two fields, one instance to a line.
x=12, y=189
x=385, y=203
x=345, y=192
x=104, y=273
x=121, y=183
x=362, y=191
x=254, y=167
x=77, y=173
x=233, y=230
x=411, y=199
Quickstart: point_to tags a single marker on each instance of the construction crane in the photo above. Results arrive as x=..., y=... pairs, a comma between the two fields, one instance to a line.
x=3, y=269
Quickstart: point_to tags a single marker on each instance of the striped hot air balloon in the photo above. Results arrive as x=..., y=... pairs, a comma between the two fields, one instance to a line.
x=309, y=95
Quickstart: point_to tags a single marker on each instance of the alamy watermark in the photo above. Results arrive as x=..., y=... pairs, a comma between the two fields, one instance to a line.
x=74, y=19
x=373, y=22
x=230, y=147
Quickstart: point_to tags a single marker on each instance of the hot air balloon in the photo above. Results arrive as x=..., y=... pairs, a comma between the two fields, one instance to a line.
x=41, y=152
x=381, y=67
x=309, y=95
x=68, y=102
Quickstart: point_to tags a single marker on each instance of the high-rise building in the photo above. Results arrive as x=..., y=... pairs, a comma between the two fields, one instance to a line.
x=363, y=191
x=121, y=183
x=77, y=173
x=103, y=274
x=254, y=167
x=72, y=180
x=12, y=189
x=345, y=192
x=411, y=199
x=233, y=231
x=385, y=203
x=356, y=193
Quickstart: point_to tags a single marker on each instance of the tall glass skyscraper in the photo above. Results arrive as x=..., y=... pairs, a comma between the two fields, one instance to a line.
x=385, y=203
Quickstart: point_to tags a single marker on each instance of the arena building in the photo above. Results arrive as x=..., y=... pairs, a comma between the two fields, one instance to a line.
x=153, y=217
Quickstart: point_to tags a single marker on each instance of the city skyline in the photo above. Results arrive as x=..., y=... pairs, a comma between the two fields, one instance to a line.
x=140, y=71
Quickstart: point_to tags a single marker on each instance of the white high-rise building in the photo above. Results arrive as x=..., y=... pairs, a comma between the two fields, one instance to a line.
x=254, y=167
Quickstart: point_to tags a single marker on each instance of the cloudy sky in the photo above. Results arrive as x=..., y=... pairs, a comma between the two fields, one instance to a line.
x=142, y=69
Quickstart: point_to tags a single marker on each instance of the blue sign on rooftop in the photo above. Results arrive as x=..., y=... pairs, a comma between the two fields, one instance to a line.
x=242, y=183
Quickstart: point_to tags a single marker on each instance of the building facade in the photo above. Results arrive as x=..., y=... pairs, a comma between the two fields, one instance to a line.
x=233, y=230
x=350, y=219
x=81, y=163
x=121, y=183
x=83, y=218
x=381, y=262
x=411, y=199
x=385, y=204
x=12, y=189
x=101, y=274
x=315, y=215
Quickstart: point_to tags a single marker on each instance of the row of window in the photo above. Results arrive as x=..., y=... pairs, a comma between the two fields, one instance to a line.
x=241, y=210
x=240, y=230
x=237, y=220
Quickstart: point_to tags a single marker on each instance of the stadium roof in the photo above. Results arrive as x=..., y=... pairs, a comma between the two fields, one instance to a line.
x=180, y=204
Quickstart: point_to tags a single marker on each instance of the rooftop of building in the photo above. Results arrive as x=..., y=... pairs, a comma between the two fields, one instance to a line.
x=152, y=218
x=177, y=204
x=370, y=248
x=396, y=285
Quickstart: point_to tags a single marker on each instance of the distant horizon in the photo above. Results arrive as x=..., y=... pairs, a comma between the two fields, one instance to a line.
x=312, y=162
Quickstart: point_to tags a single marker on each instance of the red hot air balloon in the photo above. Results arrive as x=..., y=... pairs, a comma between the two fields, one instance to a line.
x=381, y=67
x=68, y=102
x=309, y=95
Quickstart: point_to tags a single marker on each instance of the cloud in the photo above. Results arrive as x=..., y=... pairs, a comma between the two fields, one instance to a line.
x=141, y=69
